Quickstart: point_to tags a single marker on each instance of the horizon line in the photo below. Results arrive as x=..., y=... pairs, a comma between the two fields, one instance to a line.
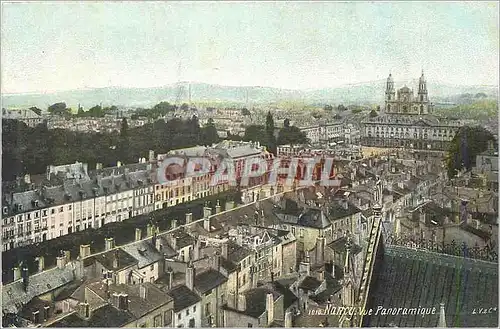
x=235, y=86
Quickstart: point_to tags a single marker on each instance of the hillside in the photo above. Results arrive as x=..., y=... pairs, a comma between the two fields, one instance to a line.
x=362, y=93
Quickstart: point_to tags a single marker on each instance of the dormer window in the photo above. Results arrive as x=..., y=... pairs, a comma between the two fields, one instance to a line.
x=5, y=210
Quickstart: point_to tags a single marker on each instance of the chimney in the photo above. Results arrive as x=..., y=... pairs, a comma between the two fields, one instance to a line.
x=217, y=207
x=189, y=218
x=190, y=272
x=41, y=263
x=206, y=224
x=207, y=212
x=320, y=250
x=143, y=291
x=225, y=248
x=123, y=301
x=61, y=261
x=98, y=166
x=270, y=308
x=115, y=259
x=157, y=243
x=231, y=300
x=288, y=319
x=197, y=249
x=170, y=277
x=109, y=243
x=173, y=224
x=150, y=230
x=25, y=277
x=229, y=205
x=151, y=155
x=84, y=310
x=242, y=302
x=84, y=251
x=118, y=164
x=138, y=234
x=333, y=269
x=320, y=275
x=27, y=179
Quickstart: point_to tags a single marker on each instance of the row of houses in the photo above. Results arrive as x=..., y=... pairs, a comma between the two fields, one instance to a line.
x=72, y=197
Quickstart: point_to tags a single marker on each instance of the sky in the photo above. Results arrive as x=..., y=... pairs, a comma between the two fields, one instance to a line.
x=48, y=47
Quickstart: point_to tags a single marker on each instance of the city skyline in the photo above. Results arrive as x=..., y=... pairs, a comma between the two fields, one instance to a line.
x=281, y=45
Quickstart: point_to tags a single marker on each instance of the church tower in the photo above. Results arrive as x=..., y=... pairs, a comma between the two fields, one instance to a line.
x=390, y=94
x=348, y=283
x=423, y=97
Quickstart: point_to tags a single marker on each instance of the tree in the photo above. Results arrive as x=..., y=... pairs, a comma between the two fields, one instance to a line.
x=209, y=133
x=255, y=133
x=356, y=110
x=245, y=112
x=467, y=143
x=271, y=140
x=36, y=110
x=373, y=113
x=286, y=123
x=184, y=107
x=341, y=108
x=328, y=108
x=59, y=109
x=291, y=135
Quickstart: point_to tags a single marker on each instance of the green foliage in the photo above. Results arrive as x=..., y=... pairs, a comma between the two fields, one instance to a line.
x=157, y=111
x=286, y=123
x=245, y=112
x=209, y=133
x=341, y=108
x=59, y=109
x=467, y=143
x=478, y=110
x=328, y=108
x=271, y=139
x=31, y=150
x=373, y=113
x=356, y=110
x=291, y=135
x=255, y=133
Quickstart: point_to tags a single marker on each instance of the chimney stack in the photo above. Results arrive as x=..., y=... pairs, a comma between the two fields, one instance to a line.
x=231, y=300
x=190, y=272
x=288, y=319
x=151, y=155
x=84, y=251
x=217, y=207
x=25, y=277
x=143, y=291
x=321, y=276
x=41, y=263
x=229, y=205
x=207, y=212
x=109, y=243
x=150, y=230
x=242, y=302
x=173, y=224
x=115, y=259
x=320, y=250
x=189, y=218
x=138, y=234
x=61, y=261
x=170, y=276
x=225, y=250
x=206, y=224
x=17, y=273
x=270, y=308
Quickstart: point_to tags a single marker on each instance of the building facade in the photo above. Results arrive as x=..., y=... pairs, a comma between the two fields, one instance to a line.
x=407, y=121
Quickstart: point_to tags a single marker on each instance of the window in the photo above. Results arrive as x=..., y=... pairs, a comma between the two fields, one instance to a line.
x=208, y=293
x=167, y=318
x=207, y=309
x=179, y=316
x=187, y=312
x=249, y=325
x=61, y=209
x=157, y=321
x=194, y=309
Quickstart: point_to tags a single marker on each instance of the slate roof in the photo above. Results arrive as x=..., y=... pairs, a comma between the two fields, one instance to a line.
x=310, y=283
x=339, y=246
x=183, y=239
x=105, y=316
x=207, y=280
x=411, y=278
x=124, y=259
x=332, y=286
x=228, y=265
x=183, y=297
x=337, y=211
x=144, y=253
x=237, y=253
x=256, y=300
x=312, y=218
x=288, y=296
x=14, y=296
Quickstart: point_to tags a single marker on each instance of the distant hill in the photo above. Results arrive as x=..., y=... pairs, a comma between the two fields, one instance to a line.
x=361, y=93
